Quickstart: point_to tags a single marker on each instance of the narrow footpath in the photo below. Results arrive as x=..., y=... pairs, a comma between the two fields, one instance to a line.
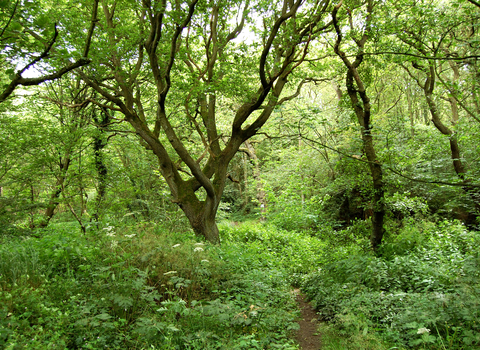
x=307, y=335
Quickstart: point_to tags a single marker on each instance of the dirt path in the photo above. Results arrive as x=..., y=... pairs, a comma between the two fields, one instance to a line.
x=307, y=335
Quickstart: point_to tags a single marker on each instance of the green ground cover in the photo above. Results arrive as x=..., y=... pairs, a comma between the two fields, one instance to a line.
x=143, y=287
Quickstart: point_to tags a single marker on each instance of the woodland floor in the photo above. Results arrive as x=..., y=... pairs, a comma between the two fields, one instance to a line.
x=307, y=335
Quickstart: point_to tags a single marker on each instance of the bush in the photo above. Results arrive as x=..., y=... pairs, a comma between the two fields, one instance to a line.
x=423, y=292
x=296, y=252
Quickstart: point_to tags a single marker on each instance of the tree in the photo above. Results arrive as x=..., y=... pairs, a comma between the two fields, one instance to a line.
x=442, y=40
x=249, y=150
x=183, y=56
x=357, y=93
x=71, y=116
x=44, y=142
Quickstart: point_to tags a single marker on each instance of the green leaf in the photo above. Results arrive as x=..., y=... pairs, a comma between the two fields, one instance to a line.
x=103, y=316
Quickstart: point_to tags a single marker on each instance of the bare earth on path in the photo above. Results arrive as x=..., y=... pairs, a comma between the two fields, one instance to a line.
x=307, y=335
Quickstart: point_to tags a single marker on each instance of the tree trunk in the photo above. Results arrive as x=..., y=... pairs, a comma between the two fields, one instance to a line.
x=362, y=107
x=245, y=182
x=102, y=171
x=377, y=176
x=261, y=197
x=32, y=201
x=201, y=215
x=455, y=150
x=452, y=99
x=410, y=112
x=426, y=120
x=378, y=204
x=203, y=222
x=52, y=205
x=53, y=202
x=475, y=101
x=338, y=91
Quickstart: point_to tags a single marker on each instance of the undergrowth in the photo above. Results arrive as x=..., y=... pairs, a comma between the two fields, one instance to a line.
x=421, y=292
x=145, y=287
x=139, y=287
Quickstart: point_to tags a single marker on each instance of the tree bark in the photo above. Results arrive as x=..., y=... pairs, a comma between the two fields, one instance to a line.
x=411, y=114
x=362, y=107
x=102, y=171
x=245, y=181
x=201, y=215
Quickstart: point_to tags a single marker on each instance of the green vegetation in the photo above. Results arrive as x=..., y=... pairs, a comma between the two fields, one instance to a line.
x=171, y=171
x=423, y=292
x=138, y=287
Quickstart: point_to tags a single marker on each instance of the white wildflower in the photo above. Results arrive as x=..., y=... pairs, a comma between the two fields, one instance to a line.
x=198, y=249
x=110, y=231
x=204, y=261
x=170, y=273
x=199, y=244
x=114, y=244
x=130, y=236
x=176, y=245
x=423, y=330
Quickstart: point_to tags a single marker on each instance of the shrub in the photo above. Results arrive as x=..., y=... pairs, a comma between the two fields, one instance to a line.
x=423, y=292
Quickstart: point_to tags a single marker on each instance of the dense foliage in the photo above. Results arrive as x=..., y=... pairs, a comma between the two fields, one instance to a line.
x=237, y=109
x=171, y=170
x=141, y=287
x=423, y=292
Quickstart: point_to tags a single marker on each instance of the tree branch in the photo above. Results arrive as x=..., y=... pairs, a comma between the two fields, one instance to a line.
x=456, y=184
x=19, y=80
x=271, y=37
x=10, y=19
